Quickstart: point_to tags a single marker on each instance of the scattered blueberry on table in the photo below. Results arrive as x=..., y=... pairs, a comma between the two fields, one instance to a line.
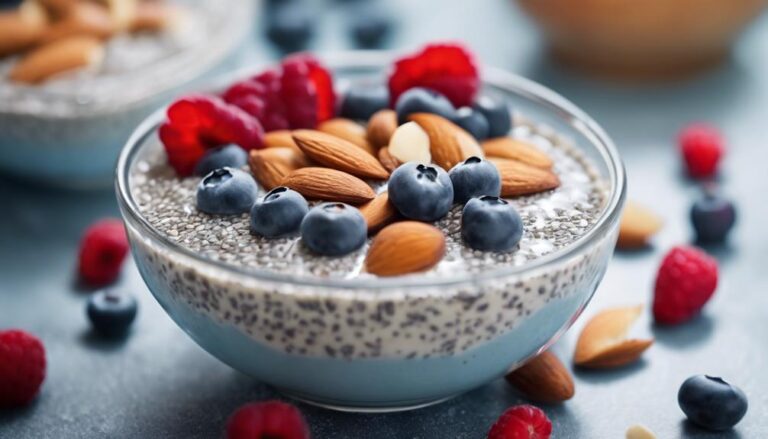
x=370, y=26
x=112, y=312
x=290, y=25
x=713, y=217
x=421, y=192
x=711, y=402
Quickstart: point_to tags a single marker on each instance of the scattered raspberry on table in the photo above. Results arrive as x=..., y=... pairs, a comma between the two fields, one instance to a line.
x=522, y=422
x=269, y=419
x=702, y=148
x=102, y=252
x=686, y=281
x=22, y=368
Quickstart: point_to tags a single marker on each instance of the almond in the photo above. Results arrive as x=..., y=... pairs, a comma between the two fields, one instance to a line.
x=468, y=144
x=329, y=185
x=271, y=165
x=444, y=140
x=518, y=178
x=385, y=158
x=378, y=212
x=21, y=29
x=56, y=58
x=638, y=225
x=154, y=17
x=381, y=126
x=122, y=12
x=603, y=342
x=543, y=379
x=639, y=432
x=339, y=154
x=405, y=247
x=82, y=19
x=348, y=130
x=509, y=148
x=280, y=139
x=410, y=143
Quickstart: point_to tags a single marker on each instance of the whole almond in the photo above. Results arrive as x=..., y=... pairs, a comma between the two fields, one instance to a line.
x=405, y=247
x=348, y=130
x=270, y=166
x=603, y=342
x=380, y=128
x=543, y=379
x=329, y=185
x=82, y=19
x=518, y=178
x=385, y=158
x=513, y=149
x=56, y=58
x=378, y=212
x=638, y=225
x=444, y=139
x=339, y=154
x=410, y=143
x=122, y=12
x=21, y=29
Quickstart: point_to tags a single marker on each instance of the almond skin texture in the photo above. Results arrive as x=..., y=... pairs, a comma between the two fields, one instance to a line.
x=329, y=185
x=56, y=58
x=405, y=247
x=153, y=17
x=518, y=178
x=513, y=149
x=348, y=130
x=385, y=158
x=82, y=19
x=378, y=212
x=280, y=138
x=21, y=29
x=339, y=154
x=380, y=128
x=543, y=379
x=603, y=342
x=638, y=225
x=271, y=165
x=444, y=139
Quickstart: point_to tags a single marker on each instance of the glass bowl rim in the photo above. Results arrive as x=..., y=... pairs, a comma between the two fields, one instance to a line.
x=495, y=77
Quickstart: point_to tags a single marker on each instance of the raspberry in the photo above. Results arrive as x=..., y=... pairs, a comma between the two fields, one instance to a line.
x=521, y=422
x=22, y=368
x=260, y=97
x=102, y=252
x=307, y=91
x=446, y=68
x=270, y=419
x=199, y=122
x=702, y=147
x=686, y=280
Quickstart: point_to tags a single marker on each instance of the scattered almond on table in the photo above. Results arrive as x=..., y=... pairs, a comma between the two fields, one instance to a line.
x=603, y=342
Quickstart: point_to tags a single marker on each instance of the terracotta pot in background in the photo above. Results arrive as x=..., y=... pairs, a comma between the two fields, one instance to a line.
x=642, y=39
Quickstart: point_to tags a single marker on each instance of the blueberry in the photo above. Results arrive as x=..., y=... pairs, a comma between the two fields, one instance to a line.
x=231, y=156
x=474, y=177
x=423, y=100
x=491, y=224
x=361, y=102
x=370, y=26
x=290, y=25
x=472, y=121
x=279, y=213
x=497, y=115
x=421, y=192
x=712, y=403
x=713, y=217
x=333, y=229
x=111, y=312
x=226, y=191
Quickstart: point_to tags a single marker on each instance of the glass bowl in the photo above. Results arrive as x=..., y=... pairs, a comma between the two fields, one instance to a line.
x=69, y=132
x=381, y=344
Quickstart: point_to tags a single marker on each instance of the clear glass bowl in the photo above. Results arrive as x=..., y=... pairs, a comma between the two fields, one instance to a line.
x=381, y=344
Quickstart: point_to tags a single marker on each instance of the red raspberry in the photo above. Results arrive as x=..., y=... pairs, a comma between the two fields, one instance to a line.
x=270, y=419
x=702, y=147
x=521, y=422
x=102, y=252
x=260, y=97
x=446, y=68
x=198, y=122
x=22, y=368
x=307, y=91
x=686, y=280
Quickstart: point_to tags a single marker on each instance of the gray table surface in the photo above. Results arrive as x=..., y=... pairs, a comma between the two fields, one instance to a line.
x=158, y=383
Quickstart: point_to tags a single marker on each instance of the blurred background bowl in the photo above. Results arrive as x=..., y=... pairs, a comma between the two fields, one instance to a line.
x=642, y=39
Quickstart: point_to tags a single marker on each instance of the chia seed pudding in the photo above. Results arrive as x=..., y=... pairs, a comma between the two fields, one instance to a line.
x=372, y=323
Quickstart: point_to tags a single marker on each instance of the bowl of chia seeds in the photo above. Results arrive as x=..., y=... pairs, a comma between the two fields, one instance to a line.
x=323, y=330
x=69, y=130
